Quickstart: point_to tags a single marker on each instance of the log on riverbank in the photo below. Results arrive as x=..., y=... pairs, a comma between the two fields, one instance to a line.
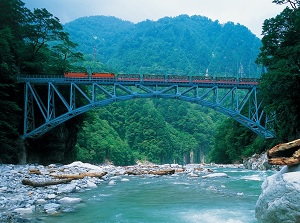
x=285, y=154
x=162, y=172
x=45, y=183
x=78, y=175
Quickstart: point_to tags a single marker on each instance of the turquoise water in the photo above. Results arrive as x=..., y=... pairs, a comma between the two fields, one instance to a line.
x=170, y=199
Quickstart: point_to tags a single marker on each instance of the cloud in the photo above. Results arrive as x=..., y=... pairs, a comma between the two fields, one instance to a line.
x=249, y=13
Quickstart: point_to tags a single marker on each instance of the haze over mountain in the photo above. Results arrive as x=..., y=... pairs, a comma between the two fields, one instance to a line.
x=185, y=45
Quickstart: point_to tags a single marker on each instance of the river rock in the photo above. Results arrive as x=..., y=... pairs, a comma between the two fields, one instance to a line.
x=51, y=208
x=91, y=184
x=69, y=188
x=112, y=182
x=22, y=211
x=80, y=164
x=69, y=200
x=51, y=196
x=259, y=162
x=279, y=200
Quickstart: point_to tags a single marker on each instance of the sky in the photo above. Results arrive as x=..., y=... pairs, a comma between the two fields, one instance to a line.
x=250, y=13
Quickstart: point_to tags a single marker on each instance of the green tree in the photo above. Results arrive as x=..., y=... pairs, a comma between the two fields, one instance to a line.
x=12, y=17
x=233, y=142
x=43, y=27
x=98, y=142
x=280, y=85
x=9, y=115
x=293, y=3
x=47, y=47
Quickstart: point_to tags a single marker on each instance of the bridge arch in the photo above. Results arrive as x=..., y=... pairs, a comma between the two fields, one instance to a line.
x=76, y=96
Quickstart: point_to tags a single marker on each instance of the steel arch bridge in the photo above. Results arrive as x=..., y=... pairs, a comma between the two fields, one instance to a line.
x=69, y=97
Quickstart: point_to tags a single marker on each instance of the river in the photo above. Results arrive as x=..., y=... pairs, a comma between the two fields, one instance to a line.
x=170, y=199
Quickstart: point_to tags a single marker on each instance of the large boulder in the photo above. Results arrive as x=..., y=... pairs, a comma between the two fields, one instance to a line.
x=279, y=200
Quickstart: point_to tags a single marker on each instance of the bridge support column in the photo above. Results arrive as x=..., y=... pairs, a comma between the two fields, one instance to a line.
x=29, y=123
x=51, y=103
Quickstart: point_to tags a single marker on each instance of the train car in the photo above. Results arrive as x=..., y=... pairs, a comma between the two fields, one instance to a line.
x=202, y=79
x=76, y=75
x=247, y=81
x=178, y=79
x=103, y=75
x=153, y=78
x=129, y=77
x=226, y=80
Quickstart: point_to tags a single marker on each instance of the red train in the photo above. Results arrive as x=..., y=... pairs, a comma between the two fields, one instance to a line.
x=76, y=75
x=163, y=78
x=86, y=75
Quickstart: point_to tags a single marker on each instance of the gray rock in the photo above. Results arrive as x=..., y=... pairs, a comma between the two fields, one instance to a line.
x=69, y=188
x=259, y=162
x=69, y=200
x=51, y=196
x=41, y=201
x=22, y=211
x=51, y=208
x=91, y=184
x=279, y=200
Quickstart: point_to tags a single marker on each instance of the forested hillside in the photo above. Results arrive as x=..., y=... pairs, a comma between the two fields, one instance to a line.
x=180, y=45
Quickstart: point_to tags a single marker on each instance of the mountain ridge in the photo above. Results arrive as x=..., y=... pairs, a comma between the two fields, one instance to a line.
x=182, y=44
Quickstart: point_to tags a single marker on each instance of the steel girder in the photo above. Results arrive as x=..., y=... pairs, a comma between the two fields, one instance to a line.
x=68, y=99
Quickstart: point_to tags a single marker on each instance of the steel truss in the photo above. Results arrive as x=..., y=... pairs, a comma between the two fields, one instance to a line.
x=66, y=99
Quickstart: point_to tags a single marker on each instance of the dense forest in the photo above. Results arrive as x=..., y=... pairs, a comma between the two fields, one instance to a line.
x=181, y=45
x=161, y=131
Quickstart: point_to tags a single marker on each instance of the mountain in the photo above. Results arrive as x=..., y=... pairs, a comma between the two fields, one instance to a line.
x=185, y=45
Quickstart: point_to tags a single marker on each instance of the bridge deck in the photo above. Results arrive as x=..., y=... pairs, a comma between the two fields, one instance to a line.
x=59, y=79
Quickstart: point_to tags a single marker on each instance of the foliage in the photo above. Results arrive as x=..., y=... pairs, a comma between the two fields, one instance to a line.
x=279, y=88
x=11, y=20
x=30, y=42
x=234, y=142
x=48, y=49
x=155, y=130
x=102, y=143
x=293, y=3
x=280, y=54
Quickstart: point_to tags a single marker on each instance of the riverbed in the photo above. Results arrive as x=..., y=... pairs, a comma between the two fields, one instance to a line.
x=184, y=197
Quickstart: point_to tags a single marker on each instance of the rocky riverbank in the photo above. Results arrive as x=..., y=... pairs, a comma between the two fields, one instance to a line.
x=27, y=191
x=259, y=162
